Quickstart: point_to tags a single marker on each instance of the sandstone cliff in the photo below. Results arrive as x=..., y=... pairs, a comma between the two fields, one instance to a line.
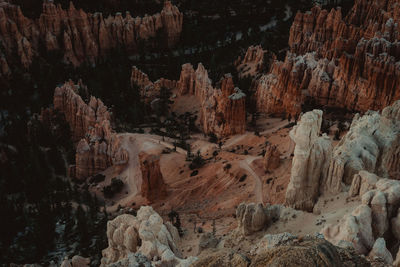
x=153, y=186
x=99, y=147
x=80, y=36
x=310, y=163
x=349, y=62
x=252, y=62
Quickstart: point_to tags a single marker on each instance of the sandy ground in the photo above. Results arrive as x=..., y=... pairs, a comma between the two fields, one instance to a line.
x=234, y=176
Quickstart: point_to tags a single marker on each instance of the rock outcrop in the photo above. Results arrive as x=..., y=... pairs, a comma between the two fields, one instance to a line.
x=375, y=218
x=255, y=217
x=153, y=186
x=310, y=163
x=379, y=250
x=272, y=158
x=362, y=183
x=80, y=36
x=350, y=62
x=145, y=235
x=148, y=90
x=223, y=109
x=76, y=261
x=99, y=146
x=252, y=62
x=372, y=144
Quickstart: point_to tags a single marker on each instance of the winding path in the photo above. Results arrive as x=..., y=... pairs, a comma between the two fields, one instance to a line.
x=245, y=164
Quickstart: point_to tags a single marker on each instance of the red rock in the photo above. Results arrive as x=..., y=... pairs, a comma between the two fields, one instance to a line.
x=98, y=145
x=82, y=37
x=153, y=186
x=272, y=158
x=349, y=62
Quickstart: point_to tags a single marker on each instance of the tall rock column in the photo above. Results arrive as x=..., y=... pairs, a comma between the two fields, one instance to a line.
x=310, y=163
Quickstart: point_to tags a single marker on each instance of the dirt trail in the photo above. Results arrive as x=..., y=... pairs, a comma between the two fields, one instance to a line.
x=245, y=164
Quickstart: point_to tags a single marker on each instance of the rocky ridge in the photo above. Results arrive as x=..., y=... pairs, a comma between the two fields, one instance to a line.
x=80, y=36
x=350, y=62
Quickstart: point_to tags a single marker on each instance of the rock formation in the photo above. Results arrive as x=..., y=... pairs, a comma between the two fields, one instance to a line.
x=272, y=158
x=362, y=183
x=252, y=62
x=255, y=217
x=145, y=234
x=223, y=109
x=82, y=37
x=99, y=146
x=76, y=261
x=379, y=250
x=371, y=144
x=349, y=62
x=148, y=90
x=310, y=163
x=376, y=217
x=153, y=186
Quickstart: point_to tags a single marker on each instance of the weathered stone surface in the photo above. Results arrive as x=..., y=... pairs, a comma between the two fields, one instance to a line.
x=372, y=144
x=255, y=217
x=362, y=183
x=76, y=261
x=272, y=158
x=99, y=146
x=153, y=186
x=310, y=163
x=371, y=220
x=146, y=234
x=307, y=251
x=349, y=62
x=379, y=250
x=354, y=228
x=252, y=62
x=81, y=36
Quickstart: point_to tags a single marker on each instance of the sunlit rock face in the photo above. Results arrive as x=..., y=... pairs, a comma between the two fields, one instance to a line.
x=80, y=36
x=350, y=62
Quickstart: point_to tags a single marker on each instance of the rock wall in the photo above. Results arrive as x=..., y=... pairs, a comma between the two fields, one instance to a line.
x=372, y=144
x=272, y=158
x=349, y=62
x=147, y=236
x=310, y=163
x=252, y=62
x=81, y=37
x=99, y=147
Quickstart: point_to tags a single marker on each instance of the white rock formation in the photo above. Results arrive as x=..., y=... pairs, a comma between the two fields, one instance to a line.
x=380, y=251
x=372, y=144
x=310, y=163
x=376, y=217
x=362, y=183
x=76, y=261
x=144, y=234
x=255, y=217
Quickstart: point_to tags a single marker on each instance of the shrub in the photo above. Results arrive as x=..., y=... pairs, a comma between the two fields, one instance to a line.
x=114, y=188
x=98, y=178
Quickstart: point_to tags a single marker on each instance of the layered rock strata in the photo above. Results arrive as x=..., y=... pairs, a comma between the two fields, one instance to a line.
x=310, y=163
x=131, y=238
x=80, y=36
x=350, y=62
x=99, y=147
x=372, y=144
x=252, y=62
